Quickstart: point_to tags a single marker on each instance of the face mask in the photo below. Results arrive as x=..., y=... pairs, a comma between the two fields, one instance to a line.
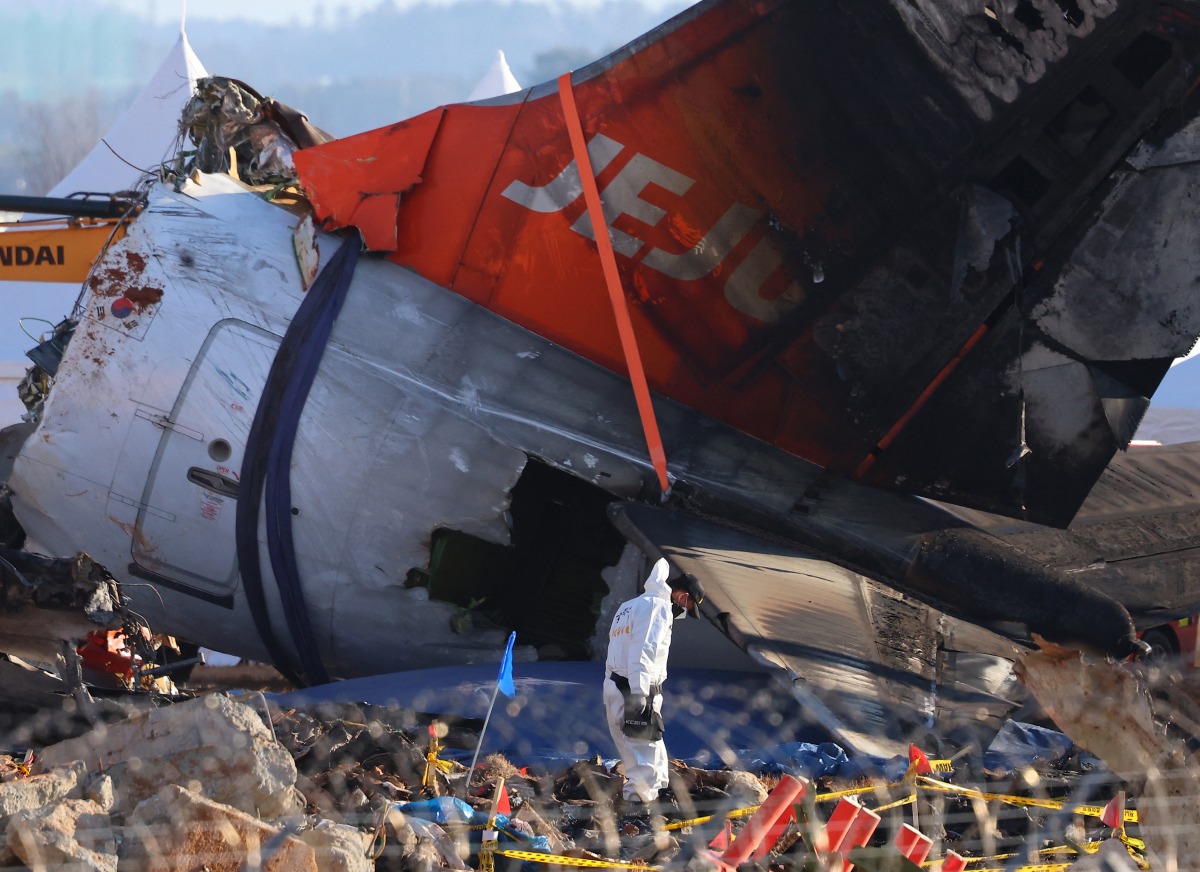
x=677, y=612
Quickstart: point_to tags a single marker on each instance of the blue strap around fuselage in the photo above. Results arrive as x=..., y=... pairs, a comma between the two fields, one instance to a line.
x=266, y=468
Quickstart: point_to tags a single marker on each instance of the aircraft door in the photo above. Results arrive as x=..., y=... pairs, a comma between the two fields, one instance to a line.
x=188, y=537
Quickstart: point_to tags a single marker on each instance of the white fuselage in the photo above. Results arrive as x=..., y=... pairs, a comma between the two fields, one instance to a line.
x=424, y=411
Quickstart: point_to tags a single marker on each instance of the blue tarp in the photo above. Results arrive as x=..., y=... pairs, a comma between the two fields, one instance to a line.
x=449, y=809
x=818, y=761
x=442, y=810
x=714, y=717
x=1018, y=745
x=557, y=715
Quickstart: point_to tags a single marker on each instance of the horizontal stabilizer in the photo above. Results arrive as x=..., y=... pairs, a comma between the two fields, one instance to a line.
x=1136, y=538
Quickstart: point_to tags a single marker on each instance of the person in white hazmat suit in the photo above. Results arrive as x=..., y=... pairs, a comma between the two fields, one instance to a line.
x=635, y=670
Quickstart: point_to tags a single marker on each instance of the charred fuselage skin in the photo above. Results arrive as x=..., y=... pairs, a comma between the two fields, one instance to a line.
x=897, y=240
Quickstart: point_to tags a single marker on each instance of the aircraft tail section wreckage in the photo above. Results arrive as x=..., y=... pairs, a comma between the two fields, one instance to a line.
x=885, y=293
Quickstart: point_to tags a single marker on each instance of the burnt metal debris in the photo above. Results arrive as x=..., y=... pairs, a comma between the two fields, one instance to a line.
x=44, y=601
x=238, y=131
x=220, y=780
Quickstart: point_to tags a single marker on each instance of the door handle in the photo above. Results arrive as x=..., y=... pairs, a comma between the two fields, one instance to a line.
x=213, y=481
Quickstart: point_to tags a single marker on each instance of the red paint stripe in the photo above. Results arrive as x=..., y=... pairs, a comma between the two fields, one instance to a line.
x=608, y=261
x=899, y=426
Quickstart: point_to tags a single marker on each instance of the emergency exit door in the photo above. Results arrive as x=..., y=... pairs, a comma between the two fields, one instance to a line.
x=185, y=527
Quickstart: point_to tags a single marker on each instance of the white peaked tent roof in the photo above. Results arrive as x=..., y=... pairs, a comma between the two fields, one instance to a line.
x=142, y=137
x=497, y=81
x=145, y=133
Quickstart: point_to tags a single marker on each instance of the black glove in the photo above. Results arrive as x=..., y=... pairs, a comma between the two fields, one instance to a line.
x=641, y=720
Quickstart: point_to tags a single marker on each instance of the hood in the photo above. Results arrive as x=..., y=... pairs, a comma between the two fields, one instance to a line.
x=656, y=581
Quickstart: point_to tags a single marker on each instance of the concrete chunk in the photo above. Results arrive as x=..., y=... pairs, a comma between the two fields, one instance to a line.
x=100, y=791
x=181, y=830
x=214, y=745
x=39, y=790
x=339, y=847
x=746, y=789
x=72, y=833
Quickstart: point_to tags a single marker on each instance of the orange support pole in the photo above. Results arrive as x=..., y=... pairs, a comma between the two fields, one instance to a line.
x=850, y=826
x=913, y=843
x=774, y=833
x=779, y=803
x=608, y=262
x=921, y=400
x=840, y=819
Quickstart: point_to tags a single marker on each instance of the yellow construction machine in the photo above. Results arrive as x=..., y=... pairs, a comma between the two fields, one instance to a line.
x=62, y=246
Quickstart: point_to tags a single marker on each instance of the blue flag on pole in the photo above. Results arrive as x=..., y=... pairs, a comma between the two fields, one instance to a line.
x=504, y=681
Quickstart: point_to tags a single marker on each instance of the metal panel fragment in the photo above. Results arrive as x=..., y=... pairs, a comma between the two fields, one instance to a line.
x=866, y=660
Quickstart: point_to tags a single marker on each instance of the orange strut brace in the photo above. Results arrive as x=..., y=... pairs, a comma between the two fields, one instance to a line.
x=633, y=359
x=891, y=434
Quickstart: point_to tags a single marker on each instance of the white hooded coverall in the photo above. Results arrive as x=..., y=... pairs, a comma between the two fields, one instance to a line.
x=638, y=644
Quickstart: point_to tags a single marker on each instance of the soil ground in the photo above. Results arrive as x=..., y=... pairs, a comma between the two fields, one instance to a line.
x=243, y=676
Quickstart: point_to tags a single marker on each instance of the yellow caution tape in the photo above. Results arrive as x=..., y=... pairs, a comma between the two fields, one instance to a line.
x=1088, y=848
x=1091, y=847
x=1037, y=867
x=942, y=765
x=552, y=859
x=908, y=800
x=1131, y=815
x=999, y=857
x=1131, y=842
x=1033, y=867
x=854, y=791
x=819, y=798
x=695, y=822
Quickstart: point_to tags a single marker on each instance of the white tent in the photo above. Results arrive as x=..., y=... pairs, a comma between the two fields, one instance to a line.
x=141, y=138
x=144, y=134
x=497, y=81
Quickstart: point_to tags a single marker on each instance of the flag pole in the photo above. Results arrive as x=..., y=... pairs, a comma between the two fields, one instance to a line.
x=504, y=681
x=475, y=759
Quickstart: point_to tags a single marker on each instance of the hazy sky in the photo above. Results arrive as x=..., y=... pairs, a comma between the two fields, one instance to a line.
x=277, y=11
x=273, y=11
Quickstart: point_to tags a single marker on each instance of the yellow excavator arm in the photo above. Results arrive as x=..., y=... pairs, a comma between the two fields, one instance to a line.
x=54, y=254
x=60, y=249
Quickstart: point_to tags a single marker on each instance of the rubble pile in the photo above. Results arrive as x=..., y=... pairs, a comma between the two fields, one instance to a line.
x=243, y=781
x=201, y=784
x=223, y=782
x=213, y=783
x=348, y=760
